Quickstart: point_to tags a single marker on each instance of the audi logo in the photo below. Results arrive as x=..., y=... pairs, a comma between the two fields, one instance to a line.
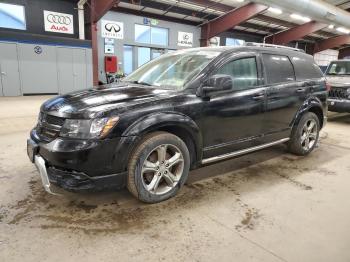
x=59, y=19
x=109, y=27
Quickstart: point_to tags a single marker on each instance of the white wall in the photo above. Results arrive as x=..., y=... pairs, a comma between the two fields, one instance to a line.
x=325, y=57
x=129, y=36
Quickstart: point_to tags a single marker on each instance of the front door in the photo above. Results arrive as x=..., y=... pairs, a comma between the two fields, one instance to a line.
x=9, y=78
x=232, y=120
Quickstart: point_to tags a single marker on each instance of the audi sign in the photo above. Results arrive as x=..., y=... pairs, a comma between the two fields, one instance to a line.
x=112, y=29
x=58, y=22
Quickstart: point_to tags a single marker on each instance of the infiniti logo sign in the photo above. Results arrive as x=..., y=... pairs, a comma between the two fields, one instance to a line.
x=112, y=27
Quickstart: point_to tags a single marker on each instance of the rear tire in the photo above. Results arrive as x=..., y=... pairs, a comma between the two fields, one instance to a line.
x=305, y=135
x=158, y=167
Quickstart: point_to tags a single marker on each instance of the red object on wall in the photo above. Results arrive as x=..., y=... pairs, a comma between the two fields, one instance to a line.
x=111, y=64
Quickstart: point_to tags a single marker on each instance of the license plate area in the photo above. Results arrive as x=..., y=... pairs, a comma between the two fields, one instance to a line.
x=32, y=149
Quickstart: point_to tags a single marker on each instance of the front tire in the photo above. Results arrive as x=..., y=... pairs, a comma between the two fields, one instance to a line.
x=158, y=167
x=305, y=135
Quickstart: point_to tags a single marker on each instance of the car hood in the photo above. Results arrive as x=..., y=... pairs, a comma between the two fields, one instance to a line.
x=100, y=100
x=339, y=81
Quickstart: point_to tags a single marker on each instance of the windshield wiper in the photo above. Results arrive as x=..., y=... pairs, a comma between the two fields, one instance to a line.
x=140, y=83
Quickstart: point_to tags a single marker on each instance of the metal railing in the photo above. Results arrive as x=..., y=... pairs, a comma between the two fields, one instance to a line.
x=273, y=46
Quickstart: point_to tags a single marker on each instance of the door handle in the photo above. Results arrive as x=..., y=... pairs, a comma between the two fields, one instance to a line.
x=300, y=90
x=259, y=97
x=3, y=73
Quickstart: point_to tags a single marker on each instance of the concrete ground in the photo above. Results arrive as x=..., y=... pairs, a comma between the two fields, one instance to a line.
x=267, y=206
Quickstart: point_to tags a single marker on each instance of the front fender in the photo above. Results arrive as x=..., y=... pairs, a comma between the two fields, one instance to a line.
x=162, y=120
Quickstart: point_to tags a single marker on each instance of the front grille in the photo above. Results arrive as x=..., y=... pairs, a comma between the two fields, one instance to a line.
x=49, y=127
x=52, y=120
x=338, y=93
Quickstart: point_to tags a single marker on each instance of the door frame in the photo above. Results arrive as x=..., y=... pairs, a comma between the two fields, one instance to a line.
x=250, y=140
x=2, y=93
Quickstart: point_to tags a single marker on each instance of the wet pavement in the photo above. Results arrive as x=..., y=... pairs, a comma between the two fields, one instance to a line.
x=267, y=206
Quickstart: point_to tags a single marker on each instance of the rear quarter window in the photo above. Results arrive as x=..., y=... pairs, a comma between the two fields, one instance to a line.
x=278, y=69
x=306, y=68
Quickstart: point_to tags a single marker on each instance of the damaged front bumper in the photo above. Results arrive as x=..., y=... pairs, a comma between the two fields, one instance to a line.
x=80, y=165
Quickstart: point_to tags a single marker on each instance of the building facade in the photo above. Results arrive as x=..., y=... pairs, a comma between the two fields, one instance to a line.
x=41, y=53
x=40, y=49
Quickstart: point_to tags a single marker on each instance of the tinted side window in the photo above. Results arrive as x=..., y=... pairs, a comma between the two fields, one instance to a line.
x=306, y=68
x=278, y=69
x=243, y=72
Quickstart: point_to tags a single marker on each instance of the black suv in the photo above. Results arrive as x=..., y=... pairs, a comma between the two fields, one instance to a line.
x=183, y=110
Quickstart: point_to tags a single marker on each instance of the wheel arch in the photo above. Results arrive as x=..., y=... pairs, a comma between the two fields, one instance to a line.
x=313, y=105
x=174, y=123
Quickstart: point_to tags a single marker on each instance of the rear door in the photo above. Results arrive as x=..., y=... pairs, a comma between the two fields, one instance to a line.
x=284, y=95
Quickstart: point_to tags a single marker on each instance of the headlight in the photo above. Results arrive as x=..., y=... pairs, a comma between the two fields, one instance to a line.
x=87, y=129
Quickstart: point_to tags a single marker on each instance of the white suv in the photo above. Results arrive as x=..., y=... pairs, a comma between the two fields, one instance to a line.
x=338, y=76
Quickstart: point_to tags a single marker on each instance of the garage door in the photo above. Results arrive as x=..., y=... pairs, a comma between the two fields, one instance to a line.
x=72, y=69
x=38, y=69
x=9, y=71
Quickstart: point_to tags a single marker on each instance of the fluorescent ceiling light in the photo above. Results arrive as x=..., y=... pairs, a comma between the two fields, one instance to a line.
x=300, y=17
x=343, y=30
x=275, y=10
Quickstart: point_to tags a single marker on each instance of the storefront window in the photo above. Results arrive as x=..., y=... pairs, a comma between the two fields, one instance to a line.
x=234, y=42
x=128, y=59
x=12, y=16
x=142, y=34
x=143, y=55
x=146, y=34
x=159, y=36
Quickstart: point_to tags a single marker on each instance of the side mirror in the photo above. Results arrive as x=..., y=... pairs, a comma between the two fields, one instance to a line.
x=217, y=83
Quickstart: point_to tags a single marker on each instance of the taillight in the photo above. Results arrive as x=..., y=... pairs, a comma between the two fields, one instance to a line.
x=328, y=86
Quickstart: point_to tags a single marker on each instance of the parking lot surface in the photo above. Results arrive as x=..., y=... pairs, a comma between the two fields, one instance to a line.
x=267, y=206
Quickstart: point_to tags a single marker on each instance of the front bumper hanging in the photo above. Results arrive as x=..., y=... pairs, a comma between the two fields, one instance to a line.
x=41, y=166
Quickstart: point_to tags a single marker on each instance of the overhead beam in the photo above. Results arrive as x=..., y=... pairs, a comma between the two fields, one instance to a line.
x=227, y=8
x=332, y=43
x=268, y=19
x=229, y=20
x=344, y=52
x=154, y=16
x=102, y=7
x=295, y=33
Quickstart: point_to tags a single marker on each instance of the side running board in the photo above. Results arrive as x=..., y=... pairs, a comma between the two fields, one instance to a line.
x=242, y=152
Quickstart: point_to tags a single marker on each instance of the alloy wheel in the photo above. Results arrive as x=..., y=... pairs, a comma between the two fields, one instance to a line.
x=162, y=169
x=309, y=135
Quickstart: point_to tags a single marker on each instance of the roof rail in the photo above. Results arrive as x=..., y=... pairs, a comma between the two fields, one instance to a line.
x=273, y=46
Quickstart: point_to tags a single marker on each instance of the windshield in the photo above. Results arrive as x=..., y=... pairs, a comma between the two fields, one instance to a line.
x=172, y=70
x=339, y=68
